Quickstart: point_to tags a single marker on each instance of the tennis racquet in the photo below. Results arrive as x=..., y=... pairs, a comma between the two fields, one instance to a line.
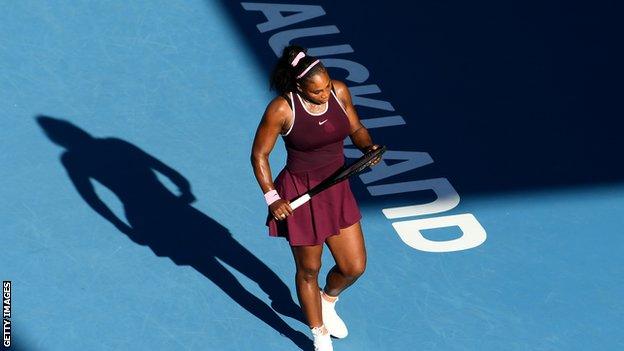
x=341, y=174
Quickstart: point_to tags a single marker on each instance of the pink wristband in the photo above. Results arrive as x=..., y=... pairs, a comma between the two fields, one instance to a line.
x=271, y=196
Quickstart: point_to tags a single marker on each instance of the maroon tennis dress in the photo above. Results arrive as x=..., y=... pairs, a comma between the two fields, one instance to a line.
x=314, y=145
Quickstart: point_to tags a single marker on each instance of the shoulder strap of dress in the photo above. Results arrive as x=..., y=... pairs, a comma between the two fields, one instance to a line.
x=291, y=103
x=288, y=100
x=337, y=99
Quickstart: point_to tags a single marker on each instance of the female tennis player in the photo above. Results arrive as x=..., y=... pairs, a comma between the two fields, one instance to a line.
x=313, y=114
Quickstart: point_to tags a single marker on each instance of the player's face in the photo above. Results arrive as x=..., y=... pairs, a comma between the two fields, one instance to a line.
x=317, y=88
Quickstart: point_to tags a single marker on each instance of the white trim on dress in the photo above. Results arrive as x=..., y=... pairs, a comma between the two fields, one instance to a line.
x=292, y=103
x=340, y=103
x=313, y=114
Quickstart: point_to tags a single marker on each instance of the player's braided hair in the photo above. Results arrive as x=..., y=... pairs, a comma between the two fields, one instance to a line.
x=292, y=65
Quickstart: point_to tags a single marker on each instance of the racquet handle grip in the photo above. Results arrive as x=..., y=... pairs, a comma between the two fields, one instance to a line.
x=300, y=201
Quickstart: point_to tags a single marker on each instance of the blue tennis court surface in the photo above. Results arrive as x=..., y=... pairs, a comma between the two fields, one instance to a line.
x=495, y=222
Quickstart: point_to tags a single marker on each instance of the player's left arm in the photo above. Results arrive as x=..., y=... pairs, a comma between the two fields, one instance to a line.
x=358, y=133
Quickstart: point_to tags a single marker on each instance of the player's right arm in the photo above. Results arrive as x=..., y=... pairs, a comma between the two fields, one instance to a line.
x=275, y=119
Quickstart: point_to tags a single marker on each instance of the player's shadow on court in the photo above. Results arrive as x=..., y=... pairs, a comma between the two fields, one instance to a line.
x=166, y=222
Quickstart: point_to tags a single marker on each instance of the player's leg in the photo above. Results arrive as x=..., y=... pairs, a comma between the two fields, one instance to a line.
x=350, y=256
x=349, y=253
x=308, y=263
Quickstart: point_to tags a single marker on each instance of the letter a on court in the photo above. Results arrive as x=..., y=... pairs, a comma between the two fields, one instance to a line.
x=275, y=19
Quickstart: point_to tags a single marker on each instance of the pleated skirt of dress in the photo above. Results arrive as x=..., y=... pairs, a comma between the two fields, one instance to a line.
x=322, y=216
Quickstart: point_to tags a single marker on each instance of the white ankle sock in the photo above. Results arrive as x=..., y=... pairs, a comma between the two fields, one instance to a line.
x=320, y=330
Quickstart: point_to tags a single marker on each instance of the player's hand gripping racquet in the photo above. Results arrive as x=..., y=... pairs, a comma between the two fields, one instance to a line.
x=341, y=174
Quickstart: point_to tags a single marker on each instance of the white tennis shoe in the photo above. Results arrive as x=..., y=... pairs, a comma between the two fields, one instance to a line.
x=332, y=321
x=322, y=339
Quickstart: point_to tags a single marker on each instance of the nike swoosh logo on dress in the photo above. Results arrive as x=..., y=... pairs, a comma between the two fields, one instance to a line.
x=321, y=123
